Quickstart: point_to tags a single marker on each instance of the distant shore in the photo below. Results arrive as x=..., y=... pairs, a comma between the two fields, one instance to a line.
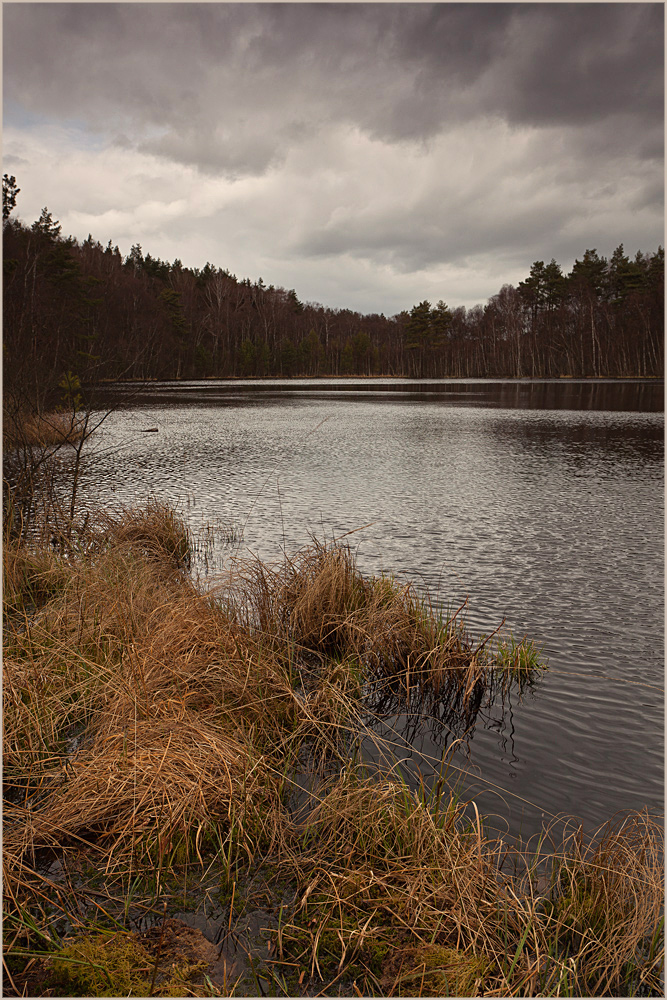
x=382, y=378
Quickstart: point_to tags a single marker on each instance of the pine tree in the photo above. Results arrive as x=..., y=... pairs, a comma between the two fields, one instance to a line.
x=9, y=193
x=47, y=225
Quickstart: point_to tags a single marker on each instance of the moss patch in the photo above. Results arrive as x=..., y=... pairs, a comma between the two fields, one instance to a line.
x=104, y=965
x=121, y=965
x=433, y=971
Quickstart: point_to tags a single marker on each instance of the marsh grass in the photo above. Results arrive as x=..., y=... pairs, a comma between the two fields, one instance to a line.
x=42, y=429
x=37, y=447
x=605, y=907
x=405, y=896
x=405, y=649
x=152, y=734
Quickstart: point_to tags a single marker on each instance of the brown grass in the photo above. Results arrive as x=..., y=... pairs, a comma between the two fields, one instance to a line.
x=42, y=429
x=387, y=874
x=151, y=784
x=411, y=896
x=157, y=725
x=319, y=601
x=606, y=903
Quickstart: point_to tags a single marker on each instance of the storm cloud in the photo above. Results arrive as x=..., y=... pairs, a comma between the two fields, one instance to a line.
x=367, y=155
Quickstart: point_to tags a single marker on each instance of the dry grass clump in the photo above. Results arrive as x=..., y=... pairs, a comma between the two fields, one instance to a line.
x=162, y=726
x=54, y=557
x=154, y=529
x=152, y=786
x=604, y=912
x=185, y=653
x=389, y=876
x=41, y=710
x=406, y=897
x=30, y=576
x=27, y=430
x=319, y=601
x=70, y=619
x=126, y=679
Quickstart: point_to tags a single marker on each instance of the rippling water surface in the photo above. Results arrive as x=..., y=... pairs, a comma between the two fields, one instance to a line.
x=541, y=502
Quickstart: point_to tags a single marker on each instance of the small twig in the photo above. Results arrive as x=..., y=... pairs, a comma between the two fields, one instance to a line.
x=159, y=949
x=228, y=932
x=483, y=644
x=9, y=976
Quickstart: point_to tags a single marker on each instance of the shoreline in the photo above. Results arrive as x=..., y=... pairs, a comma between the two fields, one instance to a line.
x=375, y=378
x=159, y=733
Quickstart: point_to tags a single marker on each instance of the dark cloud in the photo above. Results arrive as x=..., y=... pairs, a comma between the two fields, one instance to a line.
x=345, y=139
x=584, y=62
x=457, y=41
x=397, y=71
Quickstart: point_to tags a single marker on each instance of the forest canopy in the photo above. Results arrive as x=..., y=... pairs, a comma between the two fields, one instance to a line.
x=82, y=310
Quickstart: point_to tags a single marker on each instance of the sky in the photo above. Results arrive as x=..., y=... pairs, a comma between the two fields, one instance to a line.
x=369, y=156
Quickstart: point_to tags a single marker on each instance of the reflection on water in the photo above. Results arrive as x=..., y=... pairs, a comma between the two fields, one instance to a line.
x=541, y=501
x=559, y=394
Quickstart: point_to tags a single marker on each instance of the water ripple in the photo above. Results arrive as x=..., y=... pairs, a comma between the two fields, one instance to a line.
x=552, y=518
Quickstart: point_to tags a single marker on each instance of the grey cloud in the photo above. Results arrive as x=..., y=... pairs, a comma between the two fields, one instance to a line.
x=650, y=196
x=399, y=72
x=12, y=160
x=578, y=62
x=457, y=41
x=652, y=146
x=294, y=92
x=235, y=153
x=525, y=207
x=623, y=135
x=425, y=238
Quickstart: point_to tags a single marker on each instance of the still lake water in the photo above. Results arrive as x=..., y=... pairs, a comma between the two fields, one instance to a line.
x=540, y=501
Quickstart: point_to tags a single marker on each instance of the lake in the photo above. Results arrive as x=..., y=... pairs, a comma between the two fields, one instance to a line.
x=539, y=501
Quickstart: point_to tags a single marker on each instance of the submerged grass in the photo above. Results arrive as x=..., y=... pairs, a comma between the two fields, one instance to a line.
x=153, y=731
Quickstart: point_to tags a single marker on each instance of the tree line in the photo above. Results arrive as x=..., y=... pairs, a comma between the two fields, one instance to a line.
x=78, y=312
